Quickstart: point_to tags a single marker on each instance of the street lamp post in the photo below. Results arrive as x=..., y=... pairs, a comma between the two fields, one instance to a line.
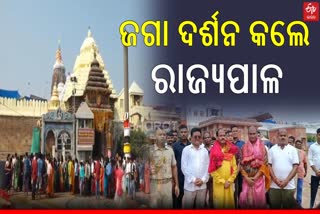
x=126, y=79
x=63, y=150
x=74, y=81
x=126, y=101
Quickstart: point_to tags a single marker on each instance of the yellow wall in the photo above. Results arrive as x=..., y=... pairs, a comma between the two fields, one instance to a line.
x=14, y=107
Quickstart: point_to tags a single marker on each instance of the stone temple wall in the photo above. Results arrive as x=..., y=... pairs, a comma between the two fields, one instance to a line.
x=16, y=134
x=17, y=118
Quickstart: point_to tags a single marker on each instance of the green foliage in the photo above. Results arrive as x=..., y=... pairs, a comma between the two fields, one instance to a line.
x=138, y=142
x=311, y=138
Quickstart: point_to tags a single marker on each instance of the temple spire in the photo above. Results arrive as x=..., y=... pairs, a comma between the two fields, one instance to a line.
x=58, y=75
x=58, y=53
x=94, y=52
x=54, y=101
x=89, y=32
x=94, y=62
x=55, y=93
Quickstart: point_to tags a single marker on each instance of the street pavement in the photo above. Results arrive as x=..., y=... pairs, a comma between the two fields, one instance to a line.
x=306, y=191
x=68, y=201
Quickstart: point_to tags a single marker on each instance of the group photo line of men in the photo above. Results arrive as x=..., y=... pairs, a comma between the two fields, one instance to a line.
x=225, y=172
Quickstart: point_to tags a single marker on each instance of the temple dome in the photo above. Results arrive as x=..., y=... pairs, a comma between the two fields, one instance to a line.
x=82, y=67
x=88, y=43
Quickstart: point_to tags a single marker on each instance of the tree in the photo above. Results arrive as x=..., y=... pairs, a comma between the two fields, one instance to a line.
x=311, y=138
x=138, y=142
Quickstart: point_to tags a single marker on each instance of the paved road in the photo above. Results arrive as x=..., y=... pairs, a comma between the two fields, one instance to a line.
x=69, y=201
x=306, y=191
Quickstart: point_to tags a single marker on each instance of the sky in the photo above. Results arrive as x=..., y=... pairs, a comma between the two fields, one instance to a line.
x=30, y=31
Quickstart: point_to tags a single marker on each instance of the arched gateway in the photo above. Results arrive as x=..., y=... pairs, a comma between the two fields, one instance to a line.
x=58, y=134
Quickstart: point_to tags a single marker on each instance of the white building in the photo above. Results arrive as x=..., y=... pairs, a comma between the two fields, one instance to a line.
x=147, y=118
x=194, y=114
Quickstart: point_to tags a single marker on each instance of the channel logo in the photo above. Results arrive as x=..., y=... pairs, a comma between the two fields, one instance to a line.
x=310, y=11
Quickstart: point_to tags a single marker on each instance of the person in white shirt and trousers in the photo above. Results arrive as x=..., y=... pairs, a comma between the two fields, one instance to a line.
x=194, y=166
x=283, y=163
x=314, y=161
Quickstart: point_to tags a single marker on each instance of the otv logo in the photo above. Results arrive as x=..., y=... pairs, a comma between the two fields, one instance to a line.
x=310, y=8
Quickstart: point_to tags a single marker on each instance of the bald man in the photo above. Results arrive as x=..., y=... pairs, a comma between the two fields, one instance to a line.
x=283, y=164
x=255, y=172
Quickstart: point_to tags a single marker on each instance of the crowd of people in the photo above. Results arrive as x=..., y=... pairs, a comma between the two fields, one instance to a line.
x=223, y=171
x=183, y=169
x=44, y=175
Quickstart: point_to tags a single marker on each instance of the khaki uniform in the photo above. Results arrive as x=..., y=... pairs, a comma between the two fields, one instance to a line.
x=161, y=162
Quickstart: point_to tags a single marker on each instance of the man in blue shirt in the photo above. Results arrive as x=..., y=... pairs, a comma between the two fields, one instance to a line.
x=26, y=172
x=238, y=182
x=107, y=173
x=40, y=171
x=177, y=149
